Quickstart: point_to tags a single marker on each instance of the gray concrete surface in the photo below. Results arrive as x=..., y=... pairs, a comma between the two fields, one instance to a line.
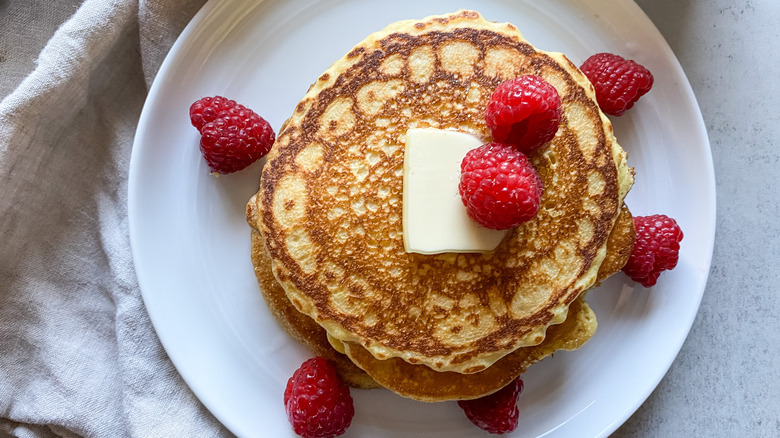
x=726, y=380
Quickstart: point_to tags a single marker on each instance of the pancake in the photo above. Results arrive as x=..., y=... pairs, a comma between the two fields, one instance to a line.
x=418, y=381
x=422, y=383
x=330, y=199
x=619, y=245
x=299, y=326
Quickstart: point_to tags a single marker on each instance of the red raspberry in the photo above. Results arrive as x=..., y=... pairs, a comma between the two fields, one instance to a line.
x=317, y=402
x=656, y=248
x=496, y=413
x=499, y=186
x=232, y=136
x=524, y=112
x=619, y=83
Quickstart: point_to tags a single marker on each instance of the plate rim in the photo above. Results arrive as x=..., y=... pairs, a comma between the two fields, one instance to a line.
x=201, y=18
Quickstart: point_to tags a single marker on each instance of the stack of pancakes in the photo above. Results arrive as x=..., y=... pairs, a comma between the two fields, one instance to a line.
x=327, y=240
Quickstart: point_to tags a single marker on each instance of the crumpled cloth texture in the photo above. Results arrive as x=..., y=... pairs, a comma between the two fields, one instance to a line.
x=78, y=353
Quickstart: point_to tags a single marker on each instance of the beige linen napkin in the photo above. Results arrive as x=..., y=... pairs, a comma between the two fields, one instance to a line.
x=78, y=354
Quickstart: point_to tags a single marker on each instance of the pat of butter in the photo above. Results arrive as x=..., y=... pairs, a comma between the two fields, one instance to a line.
x=434, y=217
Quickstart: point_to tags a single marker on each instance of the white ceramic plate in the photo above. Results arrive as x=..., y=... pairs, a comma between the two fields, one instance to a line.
x=191, y=244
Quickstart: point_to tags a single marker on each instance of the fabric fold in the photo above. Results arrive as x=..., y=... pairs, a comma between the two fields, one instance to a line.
x=78, y=353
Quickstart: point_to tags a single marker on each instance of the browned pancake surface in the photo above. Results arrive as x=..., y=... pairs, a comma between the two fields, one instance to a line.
x=301, y=327
x=422, y=383
x=619, y=245
x=330, y=200
x=418, y=381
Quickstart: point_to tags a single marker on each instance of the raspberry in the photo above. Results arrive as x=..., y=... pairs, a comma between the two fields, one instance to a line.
x=656, y=248
x=496, y=413
x=619, y=83
x=232, y=136
x=499, y=186
x=317, y=402
x=524, y=112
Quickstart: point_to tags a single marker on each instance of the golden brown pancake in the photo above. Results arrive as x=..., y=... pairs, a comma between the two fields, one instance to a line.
x=422, y=383
x=418, y=381
x=330, y=205
x=301, y=327
x=619, y=245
